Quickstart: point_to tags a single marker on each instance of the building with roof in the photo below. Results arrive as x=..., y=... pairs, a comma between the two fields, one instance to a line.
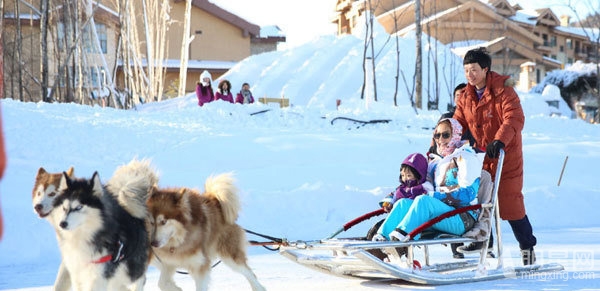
x=220, y=39
x=523, y=44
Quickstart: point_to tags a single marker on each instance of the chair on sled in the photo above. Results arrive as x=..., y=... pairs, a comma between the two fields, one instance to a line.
x=355, y=257
x=480, y=232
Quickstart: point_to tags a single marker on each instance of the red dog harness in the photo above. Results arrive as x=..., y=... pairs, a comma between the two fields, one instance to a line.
x=109, y=257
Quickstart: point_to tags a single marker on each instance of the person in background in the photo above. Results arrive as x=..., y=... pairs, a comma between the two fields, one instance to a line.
x=245, y=95
x=2, y=168
x=457, y=92
x=204, y=90
x=490, y=108
x=224, y=91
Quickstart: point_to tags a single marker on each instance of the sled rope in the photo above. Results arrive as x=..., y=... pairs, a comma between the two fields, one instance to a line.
x=273, y=241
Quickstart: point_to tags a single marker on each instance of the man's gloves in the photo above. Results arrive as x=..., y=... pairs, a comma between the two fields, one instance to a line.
x=493, y=149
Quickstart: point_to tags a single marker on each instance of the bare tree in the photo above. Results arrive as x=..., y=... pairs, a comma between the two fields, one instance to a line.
x=18, y=49
x=372, y=63
x=44, y=8
x=419, y=58
x=142, y=46
x=397, y=43
x=185, y=48
x=367, y=40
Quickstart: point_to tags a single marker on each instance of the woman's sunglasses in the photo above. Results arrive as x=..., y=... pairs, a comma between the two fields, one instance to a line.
x=443, y=135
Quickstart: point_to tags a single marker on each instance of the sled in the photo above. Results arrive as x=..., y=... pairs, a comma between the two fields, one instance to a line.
x=356, y=257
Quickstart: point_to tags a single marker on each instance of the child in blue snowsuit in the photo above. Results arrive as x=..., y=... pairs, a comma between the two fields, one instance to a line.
x=454, y=173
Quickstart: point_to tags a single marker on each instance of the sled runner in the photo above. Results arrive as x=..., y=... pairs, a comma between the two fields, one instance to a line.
x=362, y=258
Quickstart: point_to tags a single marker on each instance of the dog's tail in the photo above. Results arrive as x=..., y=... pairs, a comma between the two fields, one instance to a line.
x=222, y=187
x=131, y=184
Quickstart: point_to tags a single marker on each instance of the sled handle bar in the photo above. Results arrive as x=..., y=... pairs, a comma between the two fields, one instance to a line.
x=356, y=221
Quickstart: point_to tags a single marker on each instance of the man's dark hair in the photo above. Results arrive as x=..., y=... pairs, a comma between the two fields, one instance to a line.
x=459, y=87
x=479, y=56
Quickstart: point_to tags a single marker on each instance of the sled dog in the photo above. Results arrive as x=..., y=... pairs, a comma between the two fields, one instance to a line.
x=105, y=243
x=45, y=190
x=189, y=230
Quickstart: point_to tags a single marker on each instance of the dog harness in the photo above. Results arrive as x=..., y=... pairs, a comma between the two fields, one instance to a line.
x=109, y=257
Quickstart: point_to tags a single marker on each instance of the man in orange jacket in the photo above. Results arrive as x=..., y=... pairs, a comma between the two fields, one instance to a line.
x=490, y=108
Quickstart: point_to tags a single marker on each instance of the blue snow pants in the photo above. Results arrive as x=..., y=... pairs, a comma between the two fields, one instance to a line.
x=408, y=214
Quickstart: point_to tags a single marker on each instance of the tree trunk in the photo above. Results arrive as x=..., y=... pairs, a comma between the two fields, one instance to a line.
x=185, y=48
x=365, y=48
x=418, y=68
x=372, y=63
x=19, y=50
x=149, y=53
x=397, y=77
x=44, y=49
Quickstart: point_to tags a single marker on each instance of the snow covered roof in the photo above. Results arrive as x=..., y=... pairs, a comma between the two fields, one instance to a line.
x=22, y=16
x=461, y=48
x=192, y=64
x=530, y=17
x=271, y=31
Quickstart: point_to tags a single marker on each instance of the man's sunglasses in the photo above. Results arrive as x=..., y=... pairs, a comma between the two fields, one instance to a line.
x=443, y=135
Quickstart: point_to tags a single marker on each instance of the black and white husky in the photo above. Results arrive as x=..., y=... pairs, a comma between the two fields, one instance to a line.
x=105, y=243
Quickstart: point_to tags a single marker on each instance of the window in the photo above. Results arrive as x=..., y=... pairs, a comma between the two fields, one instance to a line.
x=552, y=103
x=569, y=43
x=545, y=38
x=89, y=41
x=96, y=77
x=562, y=48
x=553, y=41
x=101, y=31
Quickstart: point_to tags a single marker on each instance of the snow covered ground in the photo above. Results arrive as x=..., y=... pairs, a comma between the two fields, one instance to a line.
x=300, y=176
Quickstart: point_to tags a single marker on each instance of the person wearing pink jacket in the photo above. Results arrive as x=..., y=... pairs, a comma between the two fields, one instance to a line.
x=204, y=90
x=224, y=91
x=244, y=96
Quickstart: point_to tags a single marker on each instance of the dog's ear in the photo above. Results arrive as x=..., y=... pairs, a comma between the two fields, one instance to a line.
x=70, y=172
x=96, y=184
x=179, y=196
x=181, y=193
x=152, y=191
x=41, y=171
x=65, y=182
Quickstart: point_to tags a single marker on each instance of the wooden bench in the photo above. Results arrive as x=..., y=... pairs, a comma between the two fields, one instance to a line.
x=283, y=102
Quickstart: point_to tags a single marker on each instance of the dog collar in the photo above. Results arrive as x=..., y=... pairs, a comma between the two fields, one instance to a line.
x=109, y=258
